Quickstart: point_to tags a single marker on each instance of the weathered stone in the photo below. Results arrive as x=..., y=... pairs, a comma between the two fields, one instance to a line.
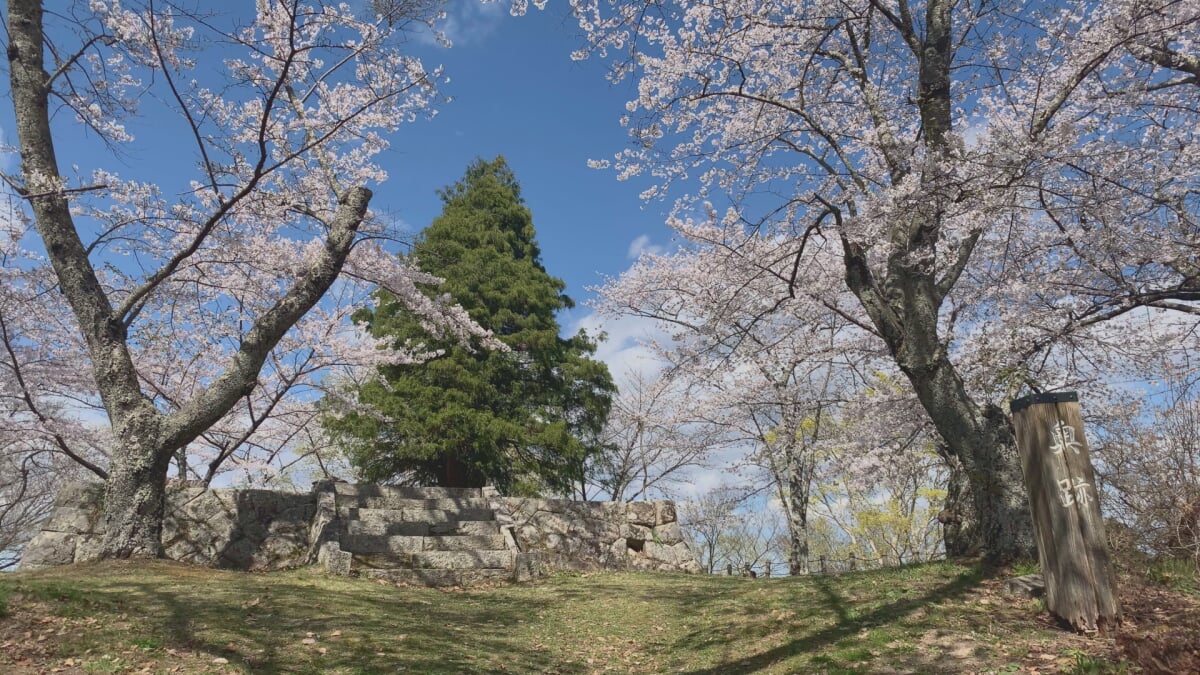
x=667, y=555
x=669, y=533
x=438, y=577
x=463, y=559
x=641, y=513
x=88, y=548
x=666, y=512
x=71, y=519
x=529, y=566
x=617, y=556
x=325, y=526
x=639, y=532
x=336, y=561
x=334, y=527
x=49, y=548
x=82, y=495
x=370, y=543
x=1029, y=586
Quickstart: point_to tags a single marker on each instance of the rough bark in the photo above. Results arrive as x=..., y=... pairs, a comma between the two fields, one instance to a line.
x=134, y=499
x=960, y=524
x=147, y=437
x=799, y=477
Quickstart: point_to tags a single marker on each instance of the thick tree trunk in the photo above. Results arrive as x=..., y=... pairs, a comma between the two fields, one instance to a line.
x=134, y=501
x=904, y=305
x=984, y=443
x=904, y=298
x=960, y=524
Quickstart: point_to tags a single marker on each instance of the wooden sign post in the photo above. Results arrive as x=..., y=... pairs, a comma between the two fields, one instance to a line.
x=1072, y=548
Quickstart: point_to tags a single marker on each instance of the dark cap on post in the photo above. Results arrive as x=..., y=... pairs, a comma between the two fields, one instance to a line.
x=1047, y=397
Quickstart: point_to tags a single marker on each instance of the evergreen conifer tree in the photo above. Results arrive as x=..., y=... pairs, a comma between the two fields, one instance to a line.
x=523, y=420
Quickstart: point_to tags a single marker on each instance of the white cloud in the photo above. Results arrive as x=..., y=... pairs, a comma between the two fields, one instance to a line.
x=624, y=350
x=642, y=245
x=467, y=22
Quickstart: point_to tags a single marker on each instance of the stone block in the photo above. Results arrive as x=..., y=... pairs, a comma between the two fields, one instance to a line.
x=671, y=555
x=1026, y=587
x=369, y=543
x=641, y=513
x=49, y=548
x=81, y=495
x=529, y=566
x=617, y=555
x=463, y=559
x=668, y=533
x=335, y=560
x=87, y=548
x=666, y=512
x=638, y=532
x=70, y=519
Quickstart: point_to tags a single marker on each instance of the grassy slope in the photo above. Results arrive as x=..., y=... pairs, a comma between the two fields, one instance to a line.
x=168, y=617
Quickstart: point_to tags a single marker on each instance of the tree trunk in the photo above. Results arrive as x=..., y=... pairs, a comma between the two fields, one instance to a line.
x=134, y=501
x=796, y=508
x=904, y=297
x=146, y=437
x=984, y=444
x=960, y=524
x=906, y=314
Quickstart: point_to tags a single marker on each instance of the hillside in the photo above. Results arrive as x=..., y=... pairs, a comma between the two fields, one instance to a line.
x=166, y=617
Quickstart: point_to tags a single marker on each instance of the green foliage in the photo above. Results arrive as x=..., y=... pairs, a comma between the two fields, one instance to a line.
x=1096, y=665
x=523, y=419
x=1175, y=574
x=1024, y=566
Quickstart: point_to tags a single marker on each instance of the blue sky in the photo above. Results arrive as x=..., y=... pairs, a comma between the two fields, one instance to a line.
x=517, y=93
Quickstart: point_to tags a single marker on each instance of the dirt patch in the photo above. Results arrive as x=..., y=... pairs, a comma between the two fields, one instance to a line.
x=1160, y=631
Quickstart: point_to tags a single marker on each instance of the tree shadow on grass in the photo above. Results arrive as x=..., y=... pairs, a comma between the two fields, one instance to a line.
x=381, y=629
x=848, y=622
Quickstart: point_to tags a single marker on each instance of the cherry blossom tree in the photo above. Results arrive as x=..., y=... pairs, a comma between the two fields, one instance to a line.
x=653, y=440
x=1148, y=460
x=757, y=373
x=881, y=481
x=190, y=319
x=1023, y=172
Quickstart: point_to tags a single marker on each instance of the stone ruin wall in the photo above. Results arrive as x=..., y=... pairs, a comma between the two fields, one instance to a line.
x=598, y=535
x=269, y=530
x=233, y=529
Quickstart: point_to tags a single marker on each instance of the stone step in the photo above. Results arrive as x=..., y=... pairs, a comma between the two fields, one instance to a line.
x=460, y=560
x=413, y=515
x=370, y=543
x=437, y=577
x=399, y=492
x=406, y=504
x=445, y=560
x=453, y=527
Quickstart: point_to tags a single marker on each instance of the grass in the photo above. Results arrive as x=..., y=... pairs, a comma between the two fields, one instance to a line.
x=168, y=617
x=1178, y=575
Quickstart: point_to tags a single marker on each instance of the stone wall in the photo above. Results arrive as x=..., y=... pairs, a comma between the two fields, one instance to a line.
x=237, y=529
x=267, y=530
x=597, y=535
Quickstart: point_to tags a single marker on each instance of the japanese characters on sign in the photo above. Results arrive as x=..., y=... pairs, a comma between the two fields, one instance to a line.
x=1071, y=490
